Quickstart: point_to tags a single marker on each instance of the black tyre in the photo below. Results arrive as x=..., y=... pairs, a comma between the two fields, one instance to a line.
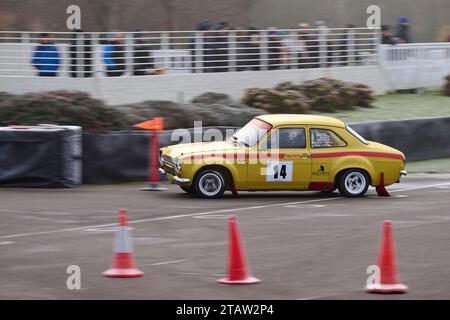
x=209, y=184
x=189, y=189
x=353, y=183
x=329, y=191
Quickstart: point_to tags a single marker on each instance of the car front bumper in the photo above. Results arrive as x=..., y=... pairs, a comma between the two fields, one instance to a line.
x=175, y=178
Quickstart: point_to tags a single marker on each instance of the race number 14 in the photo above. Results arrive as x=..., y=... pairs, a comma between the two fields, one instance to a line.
x=279, y=171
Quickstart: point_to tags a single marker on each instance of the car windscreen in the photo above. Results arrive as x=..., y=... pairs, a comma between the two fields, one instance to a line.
x=252, y=132
x=357, y=135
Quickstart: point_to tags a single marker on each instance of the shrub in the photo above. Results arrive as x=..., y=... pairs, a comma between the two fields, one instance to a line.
x=78, y=108
x=329, y=95
x=275, y=101
x=212, y=98
x=59, y=107
x=323, y=95
x=364, y=95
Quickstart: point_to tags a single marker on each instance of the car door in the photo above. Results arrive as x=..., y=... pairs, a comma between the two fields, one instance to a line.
x=326, y=146
x=284, y=161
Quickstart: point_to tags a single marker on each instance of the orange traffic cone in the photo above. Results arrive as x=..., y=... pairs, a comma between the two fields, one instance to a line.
x=381, y=188
x=238, y=271
x=389, y=280
x=123, y=265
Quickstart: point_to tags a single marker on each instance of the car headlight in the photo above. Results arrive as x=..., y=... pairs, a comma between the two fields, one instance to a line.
x=161, y=158
x=177, y=163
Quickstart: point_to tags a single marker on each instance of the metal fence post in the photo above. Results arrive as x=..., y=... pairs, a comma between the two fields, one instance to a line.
x=232, y=57
x=197, y=59
x=323, y=47
x=28, y=53
x=79, y=67
x=351, y=52
x=128, y=47
x=264, y=51
x=98, y=63
x=165, y=47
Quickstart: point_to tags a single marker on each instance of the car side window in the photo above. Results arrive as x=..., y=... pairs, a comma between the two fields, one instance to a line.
x=287, y=138
x=324, y=138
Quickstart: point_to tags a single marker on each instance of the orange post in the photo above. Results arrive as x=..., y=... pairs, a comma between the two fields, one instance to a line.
x=155, y=126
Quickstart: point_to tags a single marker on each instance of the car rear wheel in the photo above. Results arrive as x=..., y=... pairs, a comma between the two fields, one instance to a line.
x=353, y=183
x=209, y=184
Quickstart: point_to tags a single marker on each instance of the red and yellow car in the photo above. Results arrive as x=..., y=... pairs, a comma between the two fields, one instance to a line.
x=284, y=152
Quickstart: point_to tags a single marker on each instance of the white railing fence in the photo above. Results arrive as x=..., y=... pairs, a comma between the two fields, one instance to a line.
x=94, y=54
x=416, y=65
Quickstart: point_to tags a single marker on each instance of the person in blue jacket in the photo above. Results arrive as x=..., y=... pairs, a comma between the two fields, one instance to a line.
x=46, y=57
x=114, y=56
x=402, y=32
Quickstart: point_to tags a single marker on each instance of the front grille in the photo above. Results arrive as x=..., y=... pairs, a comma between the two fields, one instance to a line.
x=167, y=159
x=169, y=170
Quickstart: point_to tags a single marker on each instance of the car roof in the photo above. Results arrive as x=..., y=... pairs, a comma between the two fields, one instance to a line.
x=306, y=119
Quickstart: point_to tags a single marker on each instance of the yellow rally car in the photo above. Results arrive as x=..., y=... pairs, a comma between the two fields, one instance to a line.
x=284, y=152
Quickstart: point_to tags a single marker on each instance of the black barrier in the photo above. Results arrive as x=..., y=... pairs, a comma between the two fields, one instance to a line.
x=40, y=157
x=123, y=155
x=418, y=139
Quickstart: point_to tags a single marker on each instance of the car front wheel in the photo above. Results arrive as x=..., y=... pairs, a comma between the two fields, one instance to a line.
x=353, y=183
x=209, y=183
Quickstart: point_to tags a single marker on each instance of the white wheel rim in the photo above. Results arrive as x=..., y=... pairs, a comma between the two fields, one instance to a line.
x=355, y=182
x=210, y=184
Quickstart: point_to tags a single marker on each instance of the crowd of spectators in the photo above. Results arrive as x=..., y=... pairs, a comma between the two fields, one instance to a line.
x=209, y=48
x=401, y=34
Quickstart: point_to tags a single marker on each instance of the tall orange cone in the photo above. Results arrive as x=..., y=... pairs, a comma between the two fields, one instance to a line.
x=381, y=188
x=238, y=271
x=154, y=126
x=123, y=265
x=389, y=280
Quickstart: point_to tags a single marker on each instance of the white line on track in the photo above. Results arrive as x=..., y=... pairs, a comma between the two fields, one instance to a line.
x=212, y=216
x=101, y=229
x=6, y=242
x=206, y=213
x=165, y=262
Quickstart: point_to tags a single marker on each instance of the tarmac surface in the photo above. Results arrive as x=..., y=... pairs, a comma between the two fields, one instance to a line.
x=302, y=245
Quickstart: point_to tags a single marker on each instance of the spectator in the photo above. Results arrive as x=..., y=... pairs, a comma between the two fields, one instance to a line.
x=402, y=32
x=220, y=48
x=80, y=55
x=274, y=49
x=242, y=45
x=386, y=35
x=114, y=56
x=303, y=45
x=253, y=51
x=344, y=51
x=46, y=57
x=143, y=62
x=199, y=51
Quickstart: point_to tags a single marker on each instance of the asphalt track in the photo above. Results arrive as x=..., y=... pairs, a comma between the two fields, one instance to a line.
x=304, y=245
